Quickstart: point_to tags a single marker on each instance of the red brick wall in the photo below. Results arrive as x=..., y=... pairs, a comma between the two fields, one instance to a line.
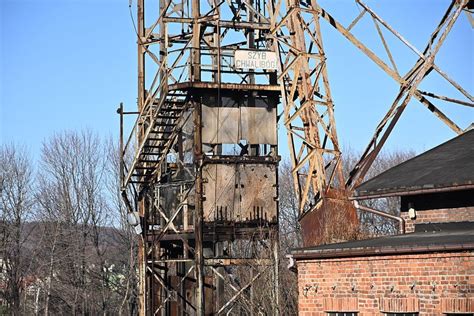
x=438, y=216
x=427, y=282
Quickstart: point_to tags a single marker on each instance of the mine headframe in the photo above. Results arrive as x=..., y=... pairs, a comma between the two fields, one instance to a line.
x=200, y=167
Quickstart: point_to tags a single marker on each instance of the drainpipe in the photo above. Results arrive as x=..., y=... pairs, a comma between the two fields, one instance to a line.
x=380, y=213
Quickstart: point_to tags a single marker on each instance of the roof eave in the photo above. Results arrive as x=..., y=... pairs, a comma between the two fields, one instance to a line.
x=408, y=191
x=304, y=254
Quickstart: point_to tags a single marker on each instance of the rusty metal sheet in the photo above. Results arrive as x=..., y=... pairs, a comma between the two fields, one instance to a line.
x=240, y=193
x=259, y=125
x=224, y=125
x=188, y=133
x=220, y=192
x=258, y=193
x=169, y=201
x=224, y=86
x=220, y=125
x=334, y=214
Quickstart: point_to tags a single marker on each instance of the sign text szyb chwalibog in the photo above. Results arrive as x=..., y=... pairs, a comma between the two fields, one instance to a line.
x=254, y=59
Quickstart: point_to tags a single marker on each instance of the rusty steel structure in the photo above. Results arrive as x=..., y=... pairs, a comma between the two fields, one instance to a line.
x=200, y=166
x=329, y=202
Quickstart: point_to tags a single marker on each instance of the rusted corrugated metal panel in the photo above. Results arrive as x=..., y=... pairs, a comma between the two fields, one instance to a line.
x=334, y=214
x=258, y=125
x=220, y=125
x=241, y=193
x=229, y=125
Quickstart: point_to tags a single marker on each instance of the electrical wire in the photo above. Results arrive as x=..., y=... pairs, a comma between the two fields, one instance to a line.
x=130, y=2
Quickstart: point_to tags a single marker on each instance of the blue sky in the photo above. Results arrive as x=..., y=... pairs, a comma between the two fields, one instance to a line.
x=66, y=64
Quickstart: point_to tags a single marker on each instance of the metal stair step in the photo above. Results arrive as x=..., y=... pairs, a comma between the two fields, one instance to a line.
x=147, y=153
x=172, y=110
x=164, y=124
x=171, y=117
x=148, y=161
x=161, y=132
x=153, y=146
x=157, y=139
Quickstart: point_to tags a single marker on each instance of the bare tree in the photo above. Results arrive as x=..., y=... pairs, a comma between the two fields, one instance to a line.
x=127, y=239
x=370, y=225
x=86, y=252
x=16, y=209
x=374, y=225
x=79, y=243
x=290, y=237
x=288, y=207
x=74, y=212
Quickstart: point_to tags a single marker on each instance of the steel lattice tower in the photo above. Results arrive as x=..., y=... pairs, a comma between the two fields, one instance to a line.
x=200, y=166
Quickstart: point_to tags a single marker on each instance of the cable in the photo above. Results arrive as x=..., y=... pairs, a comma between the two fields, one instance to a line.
x=133, y=20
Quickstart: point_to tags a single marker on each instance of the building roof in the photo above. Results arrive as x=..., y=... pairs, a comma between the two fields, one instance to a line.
x=449, y=166
x=426, y=238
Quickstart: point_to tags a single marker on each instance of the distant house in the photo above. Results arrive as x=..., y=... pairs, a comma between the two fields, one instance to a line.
x=427, y=271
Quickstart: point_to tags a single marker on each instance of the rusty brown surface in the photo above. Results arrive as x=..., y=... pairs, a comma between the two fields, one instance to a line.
x=224, y=86
x=291, y=30
x=331, y=218
x=240, y=193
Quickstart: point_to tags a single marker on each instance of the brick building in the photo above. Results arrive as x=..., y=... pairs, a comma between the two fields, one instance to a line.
x=427, y=271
